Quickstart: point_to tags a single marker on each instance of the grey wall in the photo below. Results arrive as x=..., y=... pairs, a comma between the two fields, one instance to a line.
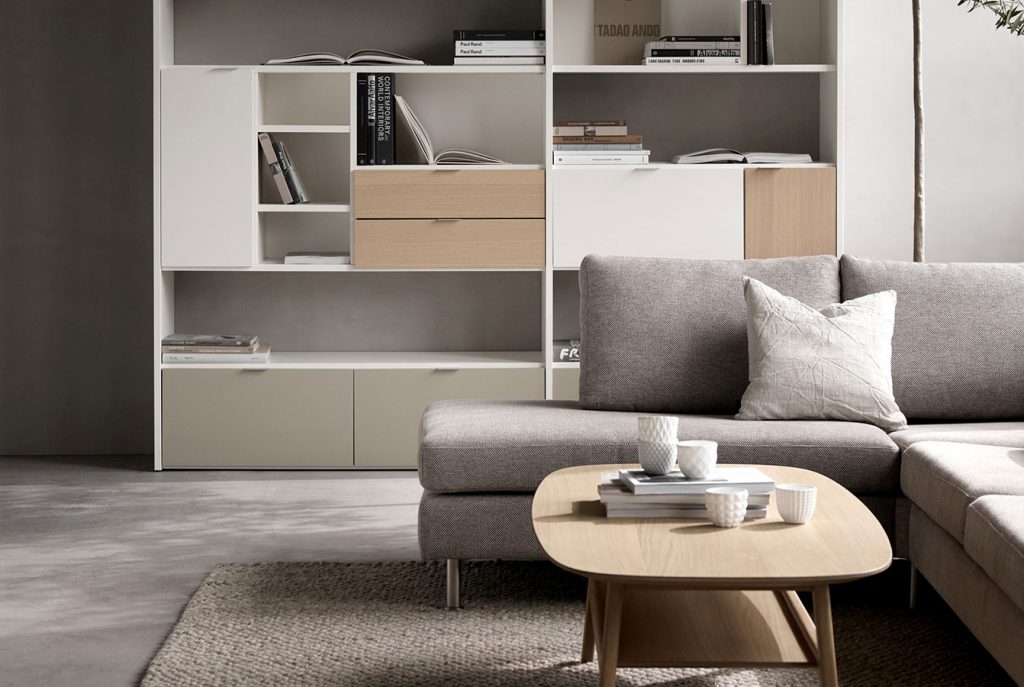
x=75, y=227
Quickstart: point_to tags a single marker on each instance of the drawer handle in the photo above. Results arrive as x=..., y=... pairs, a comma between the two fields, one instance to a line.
x=255, y=369
x=446, y=369
x=647, y=168
x=447, y=219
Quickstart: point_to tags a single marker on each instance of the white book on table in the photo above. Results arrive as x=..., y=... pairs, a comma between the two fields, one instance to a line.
x=749, y=478
x=753, y=513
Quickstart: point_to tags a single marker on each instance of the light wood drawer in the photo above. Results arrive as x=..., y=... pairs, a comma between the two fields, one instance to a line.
x=669, y=212
x=418, y=244
x=400, y=194
x=257, y=419
x=790, y=212
x=390, y=405
x=565, y=384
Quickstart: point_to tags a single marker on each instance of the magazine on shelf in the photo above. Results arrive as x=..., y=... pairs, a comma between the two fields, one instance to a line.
x=713, y=155
x=240, y=340
x=260, y=356
x=328, y=59
x=318, y=258
x=751, y=479
x=411, y=129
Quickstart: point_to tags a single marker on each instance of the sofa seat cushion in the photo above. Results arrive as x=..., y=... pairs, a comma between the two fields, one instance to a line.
x=988, y=433
x=944, y=478
x=510, y=446
x=994, y=538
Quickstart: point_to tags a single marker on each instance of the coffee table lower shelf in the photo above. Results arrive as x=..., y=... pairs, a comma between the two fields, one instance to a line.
x=638, y=626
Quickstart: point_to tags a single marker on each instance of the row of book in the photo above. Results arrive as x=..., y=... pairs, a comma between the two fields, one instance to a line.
x=282, y=171
x=635, y=494
x=709, y=50
x=214, y=349
x=375, y=128
x=760, y=33
x=597, y=142
x=500, y=47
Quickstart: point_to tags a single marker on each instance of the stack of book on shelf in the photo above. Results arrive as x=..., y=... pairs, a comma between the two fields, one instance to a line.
x=760, y=33
x=214, y=349
x=318, y=258
x=511, y=47
x=635, y=494
x=597, y=142
x=286, y=177
x=375, y=111
x=709, y=50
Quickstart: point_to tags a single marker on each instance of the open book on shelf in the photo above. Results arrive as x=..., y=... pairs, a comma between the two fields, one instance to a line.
x=411, y=129
x=329, y=59
x=712, y=155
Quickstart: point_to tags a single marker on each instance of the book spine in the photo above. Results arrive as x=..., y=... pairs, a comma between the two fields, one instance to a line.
x=762, y=43
x=598, y=147
x=753, y=27
x=499, y=52
x=361, y=123
x=291, y=175
x=710, y=61
x=610, y=158
x=500, y=44
x=661, y=52
x=590, y=122
x=511, y=35
x=665, y=45
x=769, y=34
x=634, y=138
x=384, y=136
x=371, y=118
x=700, y=39
x=590, y=130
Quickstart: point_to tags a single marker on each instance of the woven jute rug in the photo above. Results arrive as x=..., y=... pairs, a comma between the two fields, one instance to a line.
x=381, y=624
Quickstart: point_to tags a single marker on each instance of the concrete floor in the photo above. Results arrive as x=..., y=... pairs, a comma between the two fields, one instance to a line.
x=98, y=556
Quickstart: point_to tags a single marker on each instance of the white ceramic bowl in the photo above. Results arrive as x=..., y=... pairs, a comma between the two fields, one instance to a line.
x=657, y=457
x=696, y=458
x=727, y=506
x=796, y=502
x=657, y=428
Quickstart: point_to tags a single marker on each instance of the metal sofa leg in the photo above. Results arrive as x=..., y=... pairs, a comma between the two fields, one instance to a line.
x=454, y=586
x=913, y=586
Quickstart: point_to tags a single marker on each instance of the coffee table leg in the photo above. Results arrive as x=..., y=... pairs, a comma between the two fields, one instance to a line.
x=609, y=658
x=826, y=643
x=588, y=625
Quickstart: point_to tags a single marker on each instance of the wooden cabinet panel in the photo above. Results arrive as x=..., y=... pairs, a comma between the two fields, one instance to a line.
x=790, y=212
x=257, y=419
x=207, y=168
x=566, y=384
x=390, y=405
x=656, y=212
x=419, y=244
x=463, y=193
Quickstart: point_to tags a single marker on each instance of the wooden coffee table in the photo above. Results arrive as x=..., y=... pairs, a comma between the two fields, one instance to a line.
x=684, y=593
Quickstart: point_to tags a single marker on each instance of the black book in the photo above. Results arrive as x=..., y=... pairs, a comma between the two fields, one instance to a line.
x=700, y=39
x=499, y=35
x=371, y=119
x=762, y=43
x=291, y=175
x=362, y=130
x=384, y=130
x=754, y=37
x=688, y=52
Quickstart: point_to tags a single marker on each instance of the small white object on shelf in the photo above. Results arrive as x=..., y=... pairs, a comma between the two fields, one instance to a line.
x=318, y=258
x=727, y=506
x=797, y=502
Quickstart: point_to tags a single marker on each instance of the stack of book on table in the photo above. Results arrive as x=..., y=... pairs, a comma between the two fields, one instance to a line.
x=214, y=349
x=500, y=47
x=707, y=50
x=635, y=494
x=597, y=142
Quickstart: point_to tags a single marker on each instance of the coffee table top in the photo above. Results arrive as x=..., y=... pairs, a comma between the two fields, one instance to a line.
x=843, y=541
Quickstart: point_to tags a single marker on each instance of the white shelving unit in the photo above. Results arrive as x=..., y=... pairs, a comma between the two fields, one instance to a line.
x=221, y=234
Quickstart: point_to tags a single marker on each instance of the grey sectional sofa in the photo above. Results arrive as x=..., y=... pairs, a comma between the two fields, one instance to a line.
x=669, y=336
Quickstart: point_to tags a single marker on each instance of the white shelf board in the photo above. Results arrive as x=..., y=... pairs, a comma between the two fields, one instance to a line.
x=279, y=266
x=442, y=360
x=565, y=366
x=448, y=168
x=304, y=207
x=692, y=69
x=654, y=166
x=304, y=129
x=398, y=69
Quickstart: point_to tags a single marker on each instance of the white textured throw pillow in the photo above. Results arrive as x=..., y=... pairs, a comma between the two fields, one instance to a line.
x=828, y=364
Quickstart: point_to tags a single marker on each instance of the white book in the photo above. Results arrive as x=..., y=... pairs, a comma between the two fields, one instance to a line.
x=692, y=45
x=499, y=52
x=332, y=60
x=755, y=513
x=500, y=61
x=590, y=131
x=716, y=155
x=612, y=492
x=710, y=61
x=411, y=127
x=749, y=478
x=570, y=157
x=499, y=44
x=260, y=356
x=318, y=258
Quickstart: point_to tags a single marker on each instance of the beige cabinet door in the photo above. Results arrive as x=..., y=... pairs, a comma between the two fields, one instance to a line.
x=257, y=418
x=390, y=405
x=790, y=212
x=565, y=384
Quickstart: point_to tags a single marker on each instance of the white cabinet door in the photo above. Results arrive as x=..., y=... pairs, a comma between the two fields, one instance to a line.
x=672, y=212
x=207, y=167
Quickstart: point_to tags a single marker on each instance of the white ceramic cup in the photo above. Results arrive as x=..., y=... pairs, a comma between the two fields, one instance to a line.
x=657, y=457
x=796, y=502
x=657, y=428
x=727, y=506
x=696, y=458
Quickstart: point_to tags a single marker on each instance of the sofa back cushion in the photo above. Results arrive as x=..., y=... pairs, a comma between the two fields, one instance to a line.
x=670, y=336
x=958, y=345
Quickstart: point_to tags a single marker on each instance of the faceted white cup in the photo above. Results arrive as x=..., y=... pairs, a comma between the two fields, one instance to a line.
x=727, y=506
x=657, y=457
x=657, y=428
x=696, y=458
x=796, y=502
